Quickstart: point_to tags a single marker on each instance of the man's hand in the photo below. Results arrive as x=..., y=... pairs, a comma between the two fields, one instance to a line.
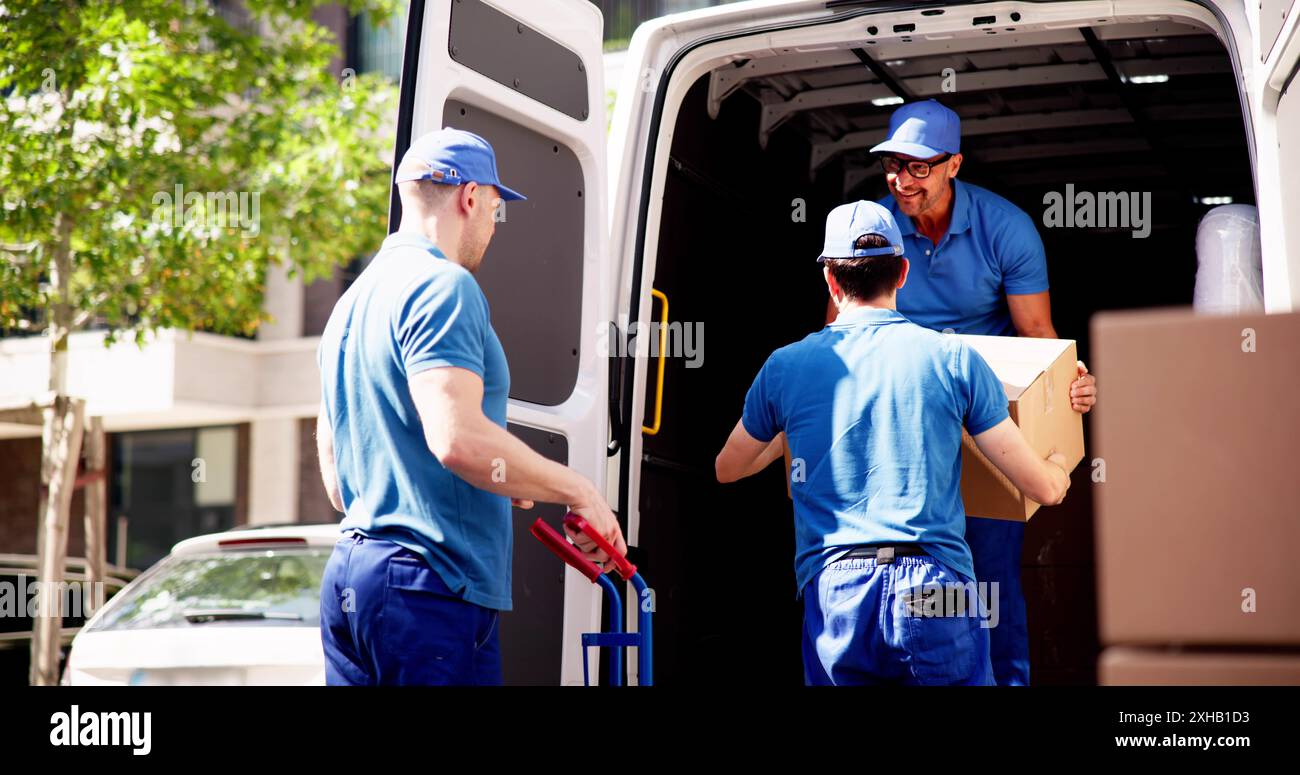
x=598, y=515
x=1060, y=461
x=1083, y=391
x=1042, y=480
x=521, y=503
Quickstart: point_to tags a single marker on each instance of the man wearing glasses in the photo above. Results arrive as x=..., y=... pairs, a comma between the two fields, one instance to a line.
x=977, y=267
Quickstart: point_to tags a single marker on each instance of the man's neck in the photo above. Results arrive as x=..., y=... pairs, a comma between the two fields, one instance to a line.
x=427, y=228
x=880, y=302
x=934, y=223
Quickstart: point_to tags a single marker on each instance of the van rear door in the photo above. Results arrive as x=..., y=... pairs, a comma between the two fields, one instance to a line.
x=528, y=77
x=1275, y=105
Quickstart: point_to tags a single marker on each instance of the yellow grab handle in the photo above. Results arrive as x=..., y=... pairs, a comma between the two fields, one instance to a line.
x=651, y=430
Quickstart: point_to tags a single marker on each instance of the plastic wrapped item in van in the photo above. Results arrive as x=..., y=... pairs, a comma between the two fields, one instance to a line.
x=1229, y=272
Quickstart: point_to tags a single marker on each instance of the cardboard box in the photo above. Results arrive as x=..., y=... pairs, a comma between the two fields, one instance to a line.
x=1036, y=374
x=1198, y=519
x=1130, y=666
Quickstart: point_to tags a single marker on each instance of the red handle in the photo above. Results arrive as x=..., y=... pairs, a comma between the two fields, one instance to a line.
x=565, y=550
x=579, y=525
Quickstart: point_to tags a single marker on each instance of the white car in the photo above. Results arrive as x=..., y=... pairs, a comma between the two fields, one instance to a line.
x=234, y=608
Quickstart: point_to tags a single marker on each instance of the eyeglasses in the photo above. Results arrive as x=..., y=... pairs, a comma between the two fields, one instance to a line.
x=917, y=168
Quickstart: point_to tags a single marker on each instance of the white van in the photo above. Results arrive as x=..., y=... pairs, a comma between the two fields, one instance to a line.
x=735, y=130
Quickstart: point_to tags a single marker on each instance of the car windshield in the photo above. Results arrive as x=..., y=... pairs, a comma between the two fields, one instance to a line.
x=279, y=587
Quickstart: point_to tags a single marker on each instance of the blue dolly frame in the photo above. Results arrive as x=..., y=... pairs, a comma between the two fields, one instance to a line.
x=616, y=639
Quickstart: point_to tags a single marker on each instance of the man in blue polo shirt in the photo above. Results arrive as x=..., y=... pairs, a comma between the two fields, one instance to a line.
x=873, y=408
x=413, y=443
x=978, y=267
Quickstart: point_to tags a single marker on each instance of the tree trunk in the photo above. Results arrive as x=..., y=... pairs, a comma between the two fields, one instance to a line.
x=96, y=517
x=60, y=450
x=64, y=423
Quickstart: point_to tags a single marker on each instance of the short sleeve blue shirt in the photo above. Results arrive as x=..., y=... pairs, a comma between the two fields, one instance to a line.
x=991, y=249
x=873, y=408
x=409, y=311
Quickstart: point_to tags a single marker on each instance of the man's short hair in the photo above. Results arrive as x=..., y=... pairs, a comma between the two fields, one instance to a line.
x=432, y=196
x=869, y=276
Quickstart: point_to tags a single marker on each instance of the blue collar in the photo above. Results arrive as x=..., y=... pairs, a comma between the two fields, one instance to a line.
x=411, y=239
x=960, y=212
x=870, y=316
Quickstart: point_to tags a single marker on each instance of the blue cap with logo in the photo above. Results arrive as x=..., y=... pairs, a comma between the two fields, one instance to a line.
x=848, y=222
x=922, y=130
x=453, y=157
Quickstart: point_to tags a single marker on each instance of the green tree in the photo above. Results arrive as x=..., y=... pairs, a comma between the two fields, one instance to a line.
x=109, y=106
x=158, y=156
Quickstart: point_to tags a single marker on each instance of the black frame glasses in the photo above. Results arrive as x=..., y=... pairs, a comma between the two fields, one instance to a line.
x=917, y=168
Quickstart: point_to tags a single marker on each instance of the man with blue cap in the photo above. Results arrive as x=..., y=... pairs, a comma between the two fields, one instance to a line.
x=873, y=408
x=413, y=443
x=979, y=268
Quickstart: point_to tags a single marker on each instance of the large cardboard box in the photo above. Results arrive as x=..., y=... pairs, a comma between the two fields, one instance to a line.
x=1198, y=516
x=1036, y=374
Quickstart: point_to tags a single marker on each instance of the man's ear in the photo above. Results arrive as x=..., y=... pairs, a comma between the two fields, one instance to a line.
x=902, y=276
x=470, y=195
x=833, y=286
x=954, y=164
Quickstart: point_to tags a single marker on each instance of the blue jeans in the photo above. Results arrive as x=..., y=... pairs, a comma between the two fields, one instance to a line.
x=995, y=546
x=386, y=618
x=866, y=624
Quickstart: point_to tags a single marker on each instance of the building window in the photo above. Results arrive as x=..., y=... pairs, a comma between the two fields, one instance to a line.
x=170, y=485
x=379, y=46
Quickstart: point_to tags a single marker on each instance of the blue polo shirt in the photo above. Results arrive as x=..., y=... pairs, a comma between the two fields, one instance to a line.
x=409, y=311
x=873, y=405
x=991, y=249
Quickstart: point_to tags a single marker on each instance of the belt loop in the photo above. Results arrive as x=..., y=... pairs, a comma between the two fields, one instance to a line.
x=885, y=555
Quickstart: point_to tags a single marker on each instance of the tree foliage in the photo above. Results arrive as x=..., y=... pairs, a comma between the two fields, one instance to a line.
x=157, y=156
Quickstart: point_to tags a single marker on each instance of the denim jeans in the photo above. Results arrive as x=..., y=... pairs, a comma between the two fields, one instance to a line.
x=868, y=624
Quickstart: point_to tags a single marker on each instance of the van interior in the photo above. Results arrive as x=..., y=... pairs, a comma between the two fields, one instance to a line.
x=1115, y=106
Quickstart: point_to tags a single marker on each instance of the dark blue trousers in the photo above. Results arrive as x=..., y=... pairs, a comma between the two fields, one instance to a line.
x=995, y=546
x=386, y=618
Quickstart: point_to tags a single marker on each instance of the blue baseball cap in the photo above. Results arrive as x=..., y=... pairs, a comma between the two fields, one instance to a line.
x=453, y=157
x=922, y=130
x=847, y=223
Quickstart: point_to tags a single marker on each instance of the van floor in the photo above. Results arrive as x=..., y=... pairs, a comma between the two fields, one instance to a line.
x=742, y=227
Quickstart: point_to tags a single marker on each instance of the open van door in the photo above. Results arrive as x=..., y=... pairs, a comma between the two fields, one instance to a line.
x=1275, y=104
x=528, y=77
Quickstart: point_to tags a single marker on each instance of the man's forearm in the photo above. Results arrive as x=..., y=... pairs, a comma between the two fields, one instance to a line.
x=325, y=456
x=1038, y=331
x=770, y=453
x=490, y=458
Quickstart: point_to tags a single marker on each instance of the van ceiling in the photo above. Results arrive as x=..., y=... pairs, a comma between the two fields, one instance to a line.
x=1150, y=100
